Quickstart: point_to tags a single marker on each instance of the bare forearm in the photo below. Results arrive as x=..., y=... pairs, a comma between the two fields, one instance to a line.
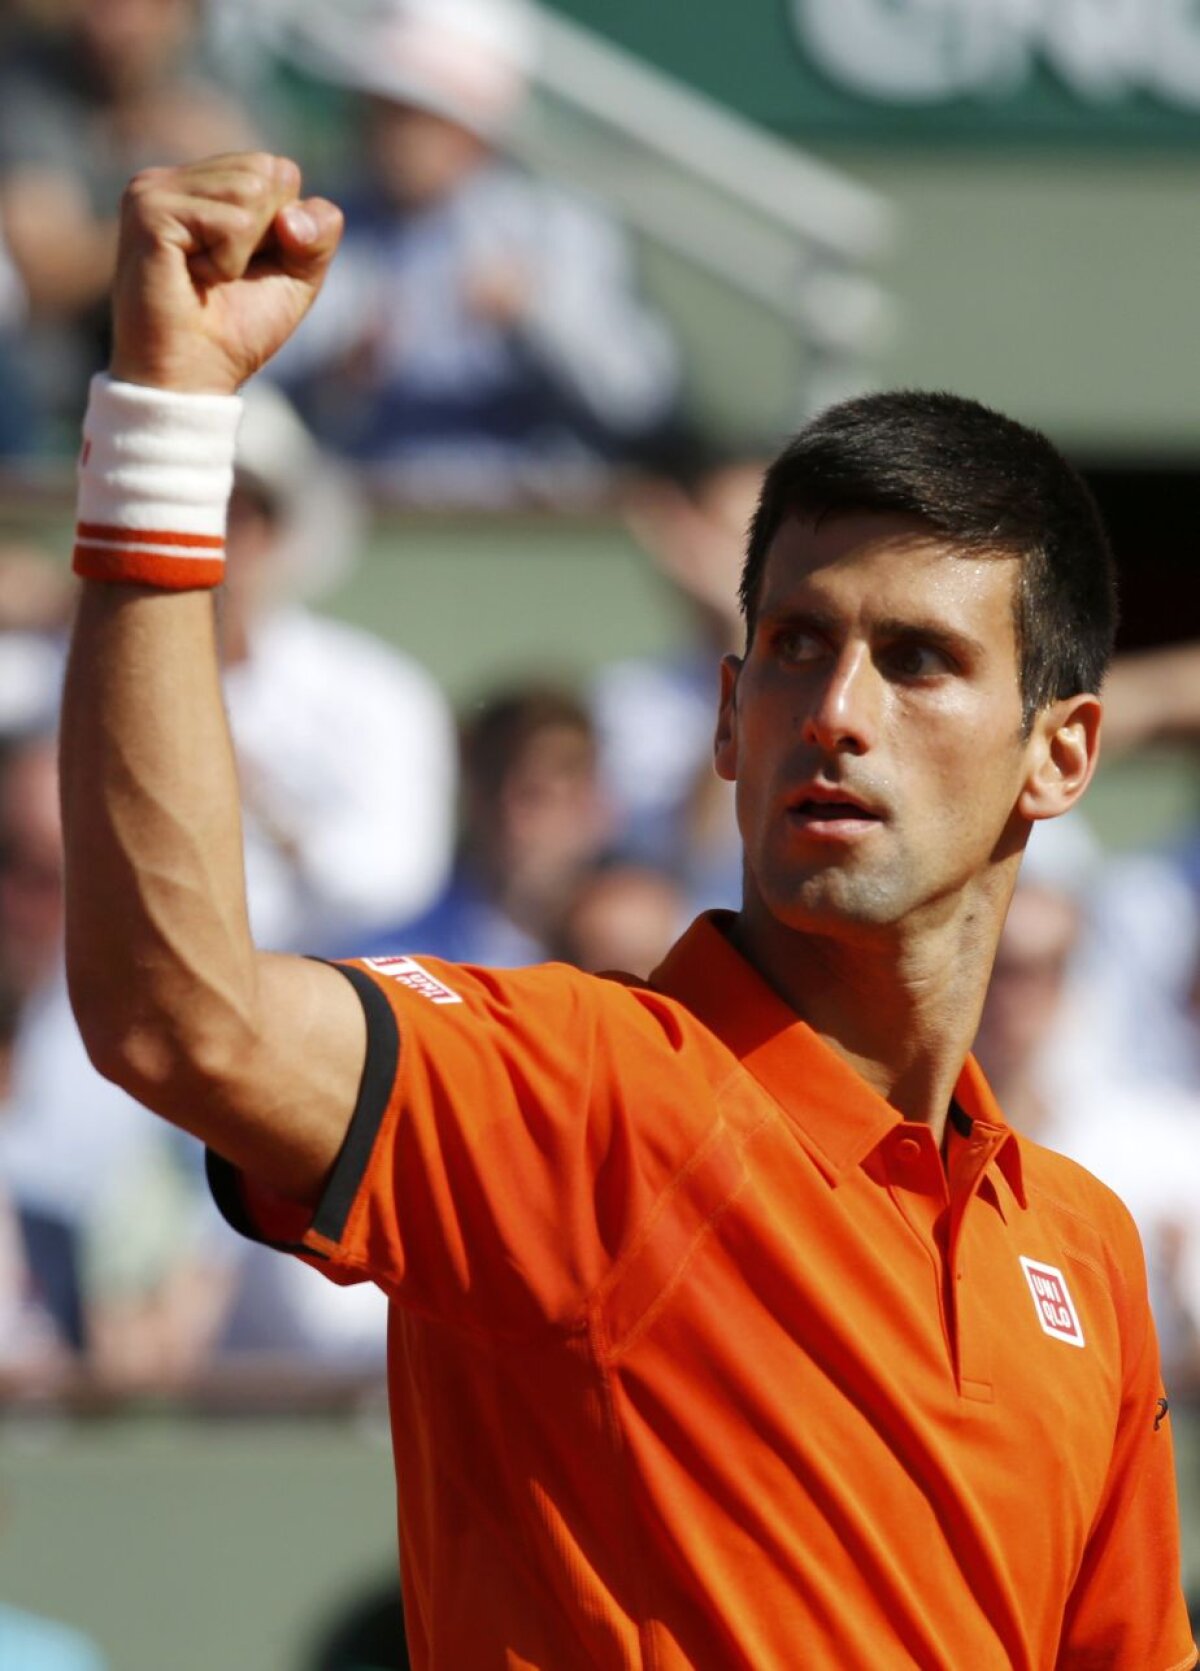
x=257, y=1055
x=160, y=959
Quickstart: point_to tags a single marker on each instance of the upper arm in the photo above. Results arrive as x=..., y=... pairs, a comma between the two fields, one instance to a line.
x=279, y=1106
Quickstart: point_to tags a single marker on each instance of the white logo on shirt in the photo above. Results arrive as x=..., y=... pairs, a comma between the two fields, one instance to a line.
x=1052, y=1301
x=410, y=973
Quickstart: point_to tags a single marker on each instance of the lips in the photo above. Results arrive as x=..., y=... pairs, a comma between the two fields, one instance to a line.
x=827, y=803
x=833, y=811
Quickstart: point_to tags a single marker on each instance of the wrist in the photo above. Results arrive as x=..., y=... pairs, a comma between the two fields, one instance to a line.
x=154, y=479
x=168, y=376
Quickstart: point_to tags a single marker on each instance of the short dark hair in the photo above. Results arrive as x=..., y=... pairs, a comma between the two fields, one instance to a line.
x=986, y=483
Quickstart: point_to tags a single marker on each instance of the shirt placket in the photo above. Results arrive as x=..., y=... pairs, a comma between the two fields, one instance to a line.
x=968, y=1159
x=917, y=1184
x=934, y=1198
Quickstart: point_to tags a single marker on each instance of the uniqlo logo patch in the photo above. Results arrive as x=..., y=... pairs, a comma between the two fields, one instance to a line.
x=410, y=973
x=1052, y=1301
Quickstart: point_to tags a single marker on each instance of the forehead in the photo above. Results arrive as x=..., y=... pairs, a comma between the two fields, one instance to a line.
x=887, y=564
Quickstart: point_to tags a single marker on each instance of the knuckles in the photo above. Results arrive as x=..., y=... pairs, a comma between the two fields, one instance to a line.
x=247, y=178
x=144, y=184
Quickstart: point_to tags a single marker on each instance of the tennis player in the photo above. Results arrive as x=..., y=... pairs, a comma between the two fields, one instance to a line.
x=731, y=1324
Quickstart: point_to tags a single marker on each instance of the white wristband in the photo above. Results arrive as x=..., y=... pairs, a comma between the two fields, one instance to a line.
x=154, y=480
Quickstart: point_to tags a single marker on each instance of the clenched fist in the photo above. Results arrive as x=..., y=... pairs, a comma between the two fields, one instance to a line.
x=217, y=264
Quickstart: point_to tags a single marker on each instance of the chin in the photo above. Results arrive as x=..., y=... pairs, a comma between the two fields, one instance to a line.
x=824, y=904
x=830, y=890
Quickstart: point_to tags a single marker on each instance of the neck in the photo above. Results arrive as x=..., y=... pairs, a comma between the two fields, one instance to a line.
x=901, y=1007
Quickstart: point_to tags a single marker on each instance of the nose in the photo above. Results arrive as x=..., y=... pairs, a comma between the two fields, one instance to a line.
x=844, y=712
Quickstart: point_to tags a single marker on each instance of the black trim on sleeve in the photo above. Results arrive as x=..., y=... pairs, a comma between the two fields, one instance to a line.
x=225, y=1187
x=374, y=1092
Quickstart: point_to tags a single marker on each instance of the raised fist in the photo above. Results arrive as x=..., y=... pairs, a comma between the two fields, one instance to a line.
x=217, y=264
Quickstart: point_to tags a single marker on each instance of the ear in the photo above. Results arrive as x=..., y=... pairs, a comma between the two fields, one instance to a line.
x=1063, y=751
x=725, y=742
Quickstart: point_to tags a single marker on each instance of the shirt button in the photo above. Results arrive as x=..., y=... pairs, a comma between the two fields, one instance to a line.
x=908, y=1151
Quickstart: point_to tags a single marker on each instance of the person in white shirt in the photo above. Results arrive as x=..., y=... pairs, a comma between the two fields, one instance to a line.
x=342, y=741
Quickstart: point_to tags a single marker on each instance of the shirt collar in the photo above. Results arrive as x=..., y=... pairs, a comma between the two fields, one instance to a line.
x=837, y=1115
x=974, y=1096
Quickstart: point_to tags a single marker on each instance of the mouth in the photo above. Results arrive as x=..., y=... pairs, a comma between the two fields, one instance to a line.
x=831, y=811
x=825, y=812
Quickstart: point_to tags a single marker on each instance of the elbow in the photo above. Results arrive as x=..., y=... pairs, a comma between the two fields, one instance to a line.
x=174, y=1063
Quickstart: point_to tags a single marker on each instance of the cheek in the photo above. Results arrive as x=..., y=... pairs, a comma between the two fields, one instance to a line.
x=768, y=717
x=971, y=752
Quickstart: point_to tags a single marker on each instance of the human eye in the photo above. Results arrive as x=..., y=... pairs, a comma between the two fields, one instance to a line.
x=916, y=659
x=796, y=644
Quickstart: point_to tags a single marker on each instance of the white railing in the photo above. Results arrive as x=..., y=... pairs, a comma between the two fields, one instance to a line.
x=795, y=235
x=816, y=203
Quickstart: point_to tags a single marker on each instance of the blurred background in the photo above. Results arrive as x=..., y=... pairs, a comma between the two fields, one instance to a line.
x=483, y=551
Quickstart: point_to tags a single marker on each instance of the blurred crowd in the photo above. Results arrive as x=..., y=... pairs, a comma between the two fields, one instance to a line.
x=483, y=341
x=483, y=338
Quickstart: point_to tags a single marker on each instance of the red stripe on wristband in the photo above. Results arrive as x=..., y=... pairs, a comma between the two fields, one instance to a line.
x=124, y=561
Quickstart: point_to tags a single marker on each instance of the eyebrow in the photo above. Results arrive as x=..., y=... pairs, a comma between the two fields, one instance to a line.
x=933, y=632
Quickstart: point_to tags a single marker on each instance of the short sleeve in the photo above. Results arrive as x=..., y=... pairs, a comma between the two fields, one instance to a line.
x=1127, y=1608
x=487, y=1177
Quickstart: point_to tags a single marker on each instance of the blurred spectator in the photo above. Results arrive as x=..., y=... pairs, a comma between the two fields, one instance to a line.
x=113, y=88
x=35, y=599
x=480, y=338
x=20, y=417
x=1139, y=1138
x=655, y=716
x=41, y=1308
x=37, y=595
x=345, y=747
x=1142, y=957
x=104, y=1229
x=41, y=1312
x=621, y=917
x=533, y=820
x=1142, y=951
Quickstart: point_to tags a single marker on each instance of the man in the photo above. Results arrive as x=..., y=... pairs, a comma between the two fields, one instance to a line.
x=720, y=1337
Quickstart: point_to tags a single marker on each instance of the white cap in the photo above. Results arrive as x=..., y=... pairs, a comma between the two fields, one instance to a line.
x=467, y=60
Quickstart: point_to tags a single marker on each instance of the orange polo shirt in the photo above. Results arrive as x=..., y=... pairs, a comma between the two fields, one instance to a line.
x=700, y=1356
